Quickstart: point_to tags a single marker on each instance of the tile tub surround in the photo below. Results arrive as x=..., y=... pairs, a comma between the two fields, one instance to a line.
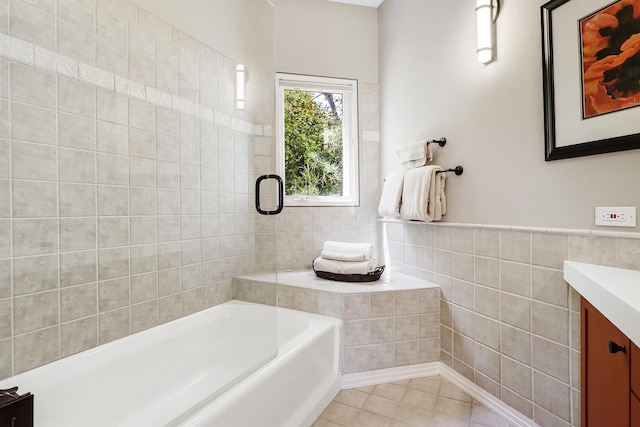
x=510, y=323
x=130, y=203
x=125, y=195
x=389, y=323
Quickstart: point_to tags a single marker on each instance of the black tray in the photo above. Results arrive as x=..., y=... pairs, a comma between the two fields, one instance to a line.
x=371, y=277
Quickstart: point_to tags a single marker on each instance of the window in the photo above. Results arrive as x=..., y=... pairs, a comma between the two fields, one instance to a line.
x=317, y=135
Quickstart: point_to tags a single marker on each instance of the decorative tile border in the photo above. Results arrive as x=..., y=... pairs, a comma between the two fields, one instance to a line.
x=28, y=53
x=550, y=230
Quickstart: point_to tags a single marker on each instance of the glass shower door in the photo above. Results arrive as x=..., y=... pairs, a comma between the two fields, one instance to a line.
x=239, y=34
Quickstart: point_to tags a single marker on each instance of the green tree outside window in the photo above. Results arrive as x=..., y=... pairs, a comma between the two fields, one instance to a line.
x=313, y=143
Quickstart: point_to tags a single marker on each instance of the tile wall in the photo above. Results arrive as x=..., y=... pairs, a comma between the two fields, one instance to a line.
x=509, y=322
x=383, y=329
x=300, y=232
x=125, y=176
x=126, y=179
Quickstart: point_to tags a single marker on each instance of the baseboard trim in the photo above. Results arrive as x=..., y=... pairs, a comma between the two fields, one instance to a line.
x=363, y=379
x=379, y=376
x=486, y=398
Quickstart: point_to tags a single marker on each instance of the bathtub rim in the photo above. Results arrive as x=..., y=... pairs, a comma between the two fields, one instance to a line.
x=133, y=343
x=307, y=415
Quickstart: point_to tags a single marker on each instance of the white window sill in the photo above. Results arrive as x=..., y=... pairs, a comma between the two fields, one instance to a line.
x=320, y=201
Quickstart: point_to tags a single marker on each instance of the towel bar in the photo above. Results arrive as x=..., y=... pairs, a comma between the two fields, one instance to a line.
x=458, y=170
x=441, y=142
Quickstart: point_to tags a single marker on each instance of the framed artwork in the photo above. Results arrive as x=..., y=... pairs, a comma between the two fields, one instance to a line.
x=591, y=76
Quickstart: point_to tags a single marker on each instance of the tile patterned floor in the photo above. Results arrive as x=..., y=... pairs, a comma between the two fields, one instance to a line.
x=420, y=402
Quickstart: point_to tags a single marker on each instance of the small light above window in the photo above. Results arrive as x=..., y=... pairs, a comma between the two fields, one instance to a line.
x=240, y=82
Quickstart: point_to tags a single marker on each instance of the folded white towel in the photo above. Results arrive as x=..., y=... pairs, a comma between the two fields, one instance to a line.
x=343, y=267
x=415, y=155
x=344, y=251
x=391, y=198
x=422, y=194
x=342, y=256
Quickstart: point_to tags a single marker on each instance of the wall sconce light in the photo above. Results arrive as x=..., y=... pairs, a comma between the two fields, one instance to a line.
x=240, y=82
x=487, y=12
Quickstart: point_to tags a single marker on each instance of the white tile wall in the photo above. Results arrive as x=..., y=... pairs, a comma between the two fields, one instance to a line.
x=111, y=183
x=129, y=204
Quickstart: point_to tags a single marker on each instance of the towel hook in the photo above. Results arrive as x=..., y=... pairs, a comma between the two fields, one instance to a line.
x=458, y=170
x=441, y=142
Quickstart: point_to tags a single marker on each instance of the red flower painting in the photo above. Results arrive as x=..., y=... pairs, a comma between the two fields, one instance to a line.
x=611, y=58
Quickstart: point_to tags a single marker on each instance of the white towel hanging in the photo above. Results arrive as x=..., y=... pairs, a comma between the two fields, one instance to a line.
x=422, y=194
x=415, y=155
x=391, y=197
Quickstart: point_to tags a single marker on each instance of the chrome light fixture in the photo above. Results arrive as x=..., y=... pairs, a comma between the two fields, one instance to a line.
x=240, y=82
x=487, y=12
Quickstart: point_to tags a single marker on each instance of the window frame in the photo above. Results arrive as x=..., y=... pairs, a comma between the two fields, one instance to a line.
x=350, y=131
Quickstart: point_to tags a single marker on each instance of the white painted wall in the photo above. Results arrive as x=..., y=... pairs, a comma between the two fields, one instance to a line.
x=320, y=37
x=492, y=116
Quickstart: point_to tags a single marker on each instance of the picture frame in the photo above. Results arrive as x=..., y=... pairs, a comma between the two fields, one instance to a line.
x=567, y=133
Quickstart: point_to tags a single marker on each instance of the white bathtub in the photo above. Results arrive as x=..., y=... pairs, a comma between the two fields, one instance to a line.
x=165, y=376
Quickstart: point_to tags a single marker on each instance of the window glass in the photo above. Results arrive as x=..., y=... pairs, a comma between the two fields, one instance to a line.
x=317, y=140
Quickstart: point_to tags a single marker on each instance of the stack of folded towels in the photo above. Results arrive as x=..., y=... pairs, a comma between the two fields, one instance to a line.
x=346, y=258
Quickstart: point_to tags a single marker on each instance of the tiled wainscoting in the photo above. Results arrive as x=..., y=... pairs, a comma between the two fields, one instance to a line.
x=390, y=324
x=509, y=322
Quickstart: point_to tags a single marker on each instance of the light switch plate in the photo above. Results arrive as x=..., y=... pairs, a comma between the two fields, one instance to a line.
x=616, y=216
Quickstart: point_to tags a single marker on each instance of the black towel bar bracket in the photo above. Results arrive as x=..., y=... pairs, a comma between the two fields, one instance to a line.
x=458, y=170
x=441, y=142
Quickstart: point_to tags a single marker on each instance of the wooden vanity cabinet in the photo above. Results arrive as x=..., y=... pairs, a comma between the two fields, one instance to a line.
x=635, y=385
x=608, y=379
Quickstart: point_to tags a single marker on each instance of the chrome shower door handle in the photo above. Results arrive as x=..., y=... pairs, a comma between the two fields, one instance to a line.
x=280, y=195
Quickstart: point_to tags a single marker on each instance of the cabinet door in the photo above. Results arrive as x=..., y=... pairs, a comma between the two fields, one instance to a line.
x=635, y=410
x=635, y=370
x=605, y=375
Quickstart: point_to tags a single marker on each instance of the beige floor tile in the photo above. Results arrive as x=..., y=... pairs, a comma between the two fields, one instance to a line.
x=426, y=384
x=501, y=423
x=453, y=408
x=449, y=390
x=481, y=415
x=353, y=397
x=368, y=419
x=389, y=391
x=403, y=383
x=339, y=413
x=366, y=389
x=420, y=399
x=420, y=402
x=413, y=415
x=381, y=406
x=321, y=422
x=440, y=420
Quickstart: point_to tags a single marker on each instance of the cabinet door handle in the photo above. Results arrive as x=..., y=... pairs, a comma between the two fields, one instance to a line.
x=614, y=348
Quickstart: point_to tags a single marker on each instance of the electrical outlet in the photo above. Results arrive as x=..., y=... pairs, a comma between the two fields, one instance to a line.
x=616, y=217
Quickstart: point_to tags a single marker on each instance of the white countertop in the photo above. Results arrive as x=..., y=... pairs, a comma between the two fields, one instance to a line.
x=615, y=292
x=390, y=281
